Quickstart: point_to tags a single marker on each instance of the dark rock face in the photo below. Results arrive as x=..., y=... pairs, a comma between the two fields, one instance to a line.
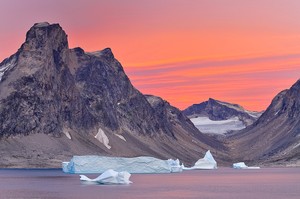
x=275, y=136
x=43, y=95
x=217, y=110
x=172, y=117
x=76, y=102
x=110, y=97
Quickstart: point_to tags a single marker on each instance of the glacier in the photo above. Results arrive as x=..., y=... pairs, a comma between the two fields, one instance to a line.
x=99, y=164
x=207, y=162
x=242, y=165
x=109, y=177
x=206, y=125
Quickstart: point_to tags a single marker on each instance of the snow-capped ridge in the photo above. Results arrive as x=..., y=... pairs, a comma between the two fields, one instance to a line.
x=215, y=116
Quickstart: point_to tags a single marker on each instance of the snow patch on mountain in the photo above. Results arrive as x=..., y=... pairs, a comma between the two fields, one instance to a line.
x=205, y=125
x=5, y=67
x=102, y=137
x=120, y=136
x=67, y=135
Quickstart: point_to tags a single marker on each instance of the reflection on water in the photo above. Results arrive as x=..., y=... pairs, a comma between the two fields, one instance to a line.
x=222, y=183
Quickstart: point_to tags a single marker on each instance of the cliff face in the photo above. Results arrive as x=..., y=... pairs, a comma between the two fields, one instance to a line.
x=275, y=136
x=56, y=102
x=38, y=94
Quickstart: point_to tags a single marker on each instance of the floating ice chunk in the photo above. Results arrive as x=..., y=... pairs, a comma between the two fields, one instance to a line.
x=208, y=162
x=110, y=177
x=65, y=167
x=175, y=165
x=99, y=164
x=242, y=165
x=101, y=136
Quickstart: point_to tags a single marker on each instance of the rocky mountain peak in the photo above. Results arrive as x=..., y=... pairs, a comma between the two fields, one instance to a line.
x=237, y=107
x=45, y=35
x=284, y=104
x=296, y=86
x=105, y=53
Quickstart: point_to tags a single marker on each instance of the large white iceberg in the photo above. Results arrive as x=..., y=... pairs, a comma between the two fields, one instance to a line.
x=208, y=162
x=242, y=165
x=99, y=164
x=109, y=177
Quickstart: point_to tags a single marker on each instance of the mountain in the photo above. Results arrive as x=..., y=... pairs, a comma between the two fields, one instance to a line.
x=57, y=102
x=275, y=137
x=214, y=116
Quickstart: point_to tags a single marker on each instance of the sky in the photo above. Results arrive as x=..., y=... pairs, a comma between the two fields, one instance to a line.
x=184, y=51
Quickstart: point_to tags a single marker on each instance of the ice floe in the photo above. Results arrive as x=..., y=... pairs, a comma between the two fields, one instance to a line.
x=109, y=177
x=242, y=165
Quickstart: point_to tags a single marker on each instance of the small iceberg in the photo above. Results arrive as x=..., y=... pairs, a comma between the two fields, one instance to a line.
x=99, y=164
x=174, y=165
x=242, y=165
x=208, y=162
x=109, y=177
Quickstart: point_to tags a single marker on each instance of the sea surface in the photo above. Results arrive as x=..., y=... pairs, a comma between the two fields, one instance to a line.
x=273, y=183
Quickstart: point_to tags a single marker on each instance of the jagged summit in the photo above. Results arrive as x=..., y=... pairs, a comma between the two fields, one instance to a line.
x=42, y=24
x=296, y=87
x=78, y=103
x=42, y=33
x=107, y=53
x=230, y=105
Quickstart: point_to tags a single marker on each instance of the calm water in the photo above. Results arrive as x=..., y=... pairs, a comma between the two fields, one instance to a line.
x=222, y=183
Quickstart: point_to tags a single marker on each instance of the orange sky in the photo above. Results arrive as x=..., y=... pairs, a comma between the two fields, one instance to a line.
x=185, y=51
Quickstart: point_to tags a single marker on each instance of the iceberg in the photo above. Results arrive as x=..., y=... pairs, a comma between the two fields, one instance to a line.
x=99, y=164
x=208, y=162
x=242, y=165
x=65, y=167
x=109, y=177
x=174, y=165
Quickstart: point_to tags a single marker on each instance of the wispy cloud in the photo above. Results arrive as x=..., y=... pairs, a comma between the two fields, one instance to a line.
x=252, y=82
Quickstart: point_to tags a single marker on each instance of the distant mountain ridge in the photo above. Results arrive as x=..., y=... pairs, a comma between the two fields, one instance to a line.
x=219, y=118
x=217, y=110
x=57, y=102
